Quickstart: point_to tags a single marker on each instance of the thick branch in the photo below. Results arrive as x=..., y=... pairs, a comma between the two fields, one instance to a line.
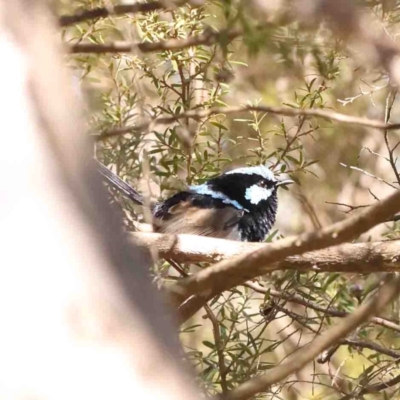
x=229, y=273
x=307, y=353
x=349, y=257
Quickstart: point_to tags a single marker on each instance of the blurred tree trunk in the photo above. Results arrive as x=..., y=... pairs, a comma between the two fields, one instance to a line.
x=79, y=316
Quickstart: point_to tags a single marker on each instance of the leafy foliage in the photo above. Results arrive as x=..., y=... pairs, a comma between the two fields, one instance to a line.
x=276, y=61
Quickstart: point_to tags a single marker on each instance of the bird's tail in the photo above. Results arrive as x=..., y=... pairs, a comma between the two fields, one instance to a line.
x=119, y=184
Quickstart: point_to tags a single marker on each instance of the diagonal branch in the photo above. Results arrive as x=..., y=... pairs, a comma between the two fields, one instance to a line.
x=307, y=353
x=377, y=387
x=349, y=257
x=230, y=273
x=334, y=312
x=355, y=343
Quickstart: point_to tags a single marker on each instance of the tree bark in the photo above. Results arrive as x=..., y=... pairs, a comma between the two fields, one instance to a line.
x=348, y=257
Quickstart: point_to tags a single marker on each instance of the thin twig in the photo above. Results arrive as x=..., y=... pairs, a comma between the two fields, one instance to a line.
x=119, y=9
x=369, y=174
x=219, y=344
x=307, y=353
x=363, y=344
x=207, y=38
x=289, y=142
x=388, y=110
x=286, y=111
x=309, y=209
x=292, y=298
x=350, y=207
x=375, y=388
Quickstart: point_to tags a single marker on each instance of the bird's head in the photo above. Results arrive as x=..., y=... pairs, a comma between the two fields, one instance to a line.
x=255, y=186
x=249, y=188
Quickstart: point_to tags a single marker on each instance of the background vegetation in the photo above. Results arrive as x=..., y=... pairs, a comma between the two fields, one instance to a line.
x=253, y=53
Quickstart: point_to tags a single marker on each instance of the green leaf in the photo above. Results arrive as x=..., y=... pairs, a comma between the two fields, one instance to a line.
x=209, y=344
x=218, y=125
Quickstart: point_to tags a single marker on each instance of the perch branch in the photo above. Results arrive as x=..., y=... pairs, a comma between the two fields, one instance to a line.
x=237, y=270
x=348, y=257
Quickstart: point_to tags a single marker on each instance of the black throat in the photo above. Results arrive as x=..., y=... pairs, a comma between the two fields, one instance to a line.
x=255, y=226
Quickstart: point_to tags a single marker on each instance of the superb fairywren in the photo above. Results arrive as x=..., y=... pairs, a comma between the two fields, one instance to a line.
x=240, y=205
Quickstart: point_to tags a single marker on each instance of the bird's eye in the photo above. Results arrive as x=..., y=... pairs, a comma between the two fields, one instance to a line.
x=262, y=184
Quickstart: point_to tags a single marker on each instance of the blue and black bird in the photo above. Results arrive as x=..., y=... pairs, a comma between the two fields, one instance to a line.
x=239, y=205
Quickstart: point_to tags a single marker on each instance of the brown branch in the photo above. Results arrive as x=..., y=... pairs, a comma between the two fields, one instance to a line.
x=363, y=171
x=349, y=206
x=348, y=257
x=104, y=12
x=366, y=344
x=377, y=387
x=207, y=38
x=293, y=298
x=389, y=106
x=230, y=273
x=307, y=353
x=286, y=111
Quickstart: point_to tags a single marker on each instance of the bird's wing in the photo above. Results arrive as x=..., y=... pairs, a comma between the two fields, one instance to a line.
x=186, y=218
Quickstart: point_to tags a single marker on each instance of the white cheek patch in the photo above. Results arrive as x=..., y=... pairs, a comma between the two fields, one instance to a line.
x=254, y=194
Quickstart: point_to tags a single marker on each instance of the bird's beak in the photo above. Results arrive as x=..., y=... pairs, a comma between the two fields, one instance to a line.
x=284, y=182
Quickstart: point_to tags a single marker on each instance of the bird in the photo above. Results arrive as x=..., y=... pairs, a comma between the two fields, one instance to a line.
x=240, y=204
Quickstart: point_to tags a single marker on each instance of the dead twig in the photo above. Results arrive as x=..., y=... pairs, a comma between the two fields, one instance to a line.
x=307, y=353
x=333, y=312
x=388, y=110
x=219, y=345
